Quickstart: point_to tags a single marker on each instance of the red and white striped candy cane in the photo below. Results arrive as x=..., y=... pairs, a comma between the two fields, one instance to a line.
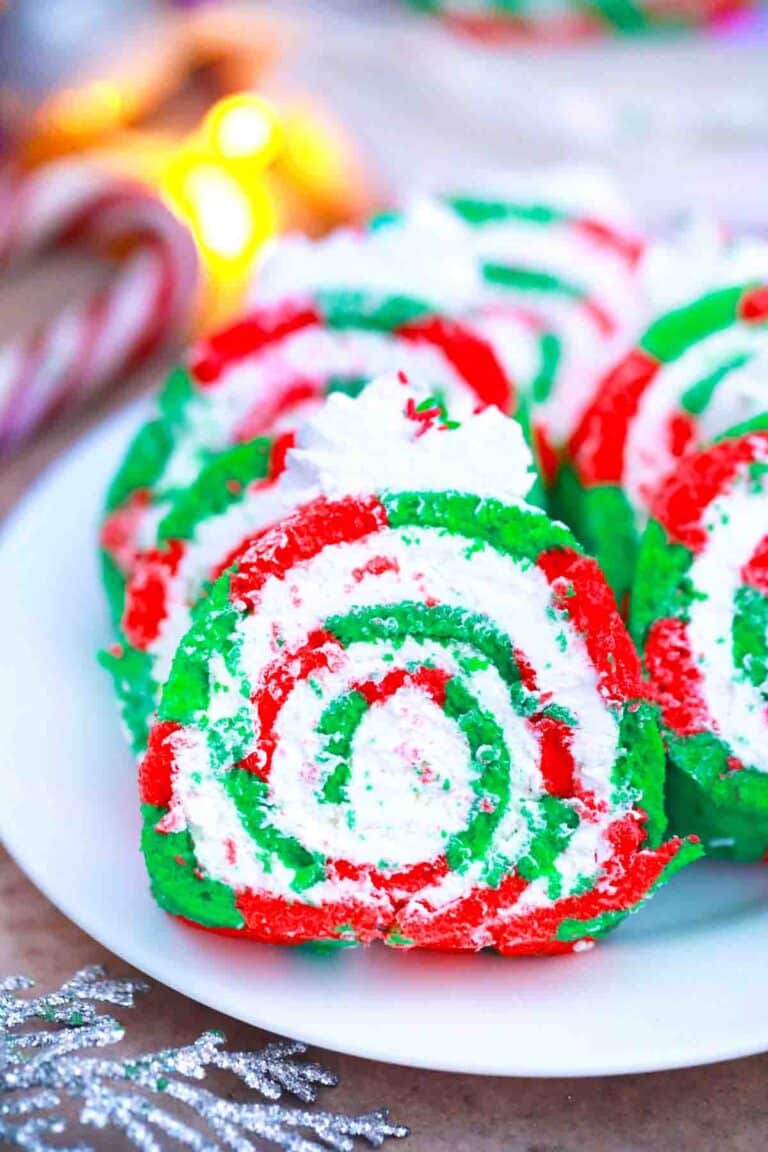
x=90, y=342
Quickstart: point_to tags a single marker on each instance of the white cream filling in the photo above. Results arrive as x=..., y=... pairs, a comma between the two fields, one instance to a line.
x=603, y=274
x=422, y=257
x=370, y=443
x=563, y=252
x=214, y=540
x=741, y=394
x=737, y=523
x=515, y=598
x=698, y=258
x=393, y=807
x=393, y=814
x=584, y=361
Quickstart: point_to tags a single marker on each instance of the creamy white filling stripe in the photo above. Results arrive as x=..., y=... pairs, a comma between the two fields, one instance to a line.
x=561, y=251
x=371, y=444
x=604, y=276
x=214, y=540
x=737, y=523
x=514, y=597
x=583, y=363
x=741, y=394
x=394, y=809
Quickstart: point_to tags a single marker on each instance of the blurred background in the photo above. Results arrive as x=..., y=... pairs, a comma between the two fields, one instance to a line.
x=249, y=119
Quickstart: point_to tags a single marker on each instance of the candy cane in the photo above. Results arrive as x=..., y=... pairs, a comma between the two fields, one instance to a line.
x=700, y=616
x=410, y=715
x=90, y=343
x=695, y=372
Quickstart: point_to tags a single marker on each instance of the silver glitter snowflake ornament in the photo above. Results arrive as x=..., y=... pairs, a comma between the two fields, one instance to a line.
x=153, y=1099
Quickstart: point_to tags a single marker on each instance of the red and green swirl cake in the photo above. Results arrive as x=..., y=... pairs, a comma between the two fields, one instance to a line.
x=545, y=266
x=700, y=618
x=200, y=477
x=696, y=371
x=408, y=711
x=560, y=250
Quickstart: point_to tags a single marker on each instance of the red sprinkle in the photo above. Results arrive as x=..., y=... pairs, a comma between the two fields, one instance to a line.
x=426, y=418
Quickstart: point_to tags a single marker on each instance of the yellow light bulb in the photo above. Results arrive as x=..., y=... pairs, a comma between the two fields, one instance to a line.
x=244, y=127
x=230, y=219
x=223, y=216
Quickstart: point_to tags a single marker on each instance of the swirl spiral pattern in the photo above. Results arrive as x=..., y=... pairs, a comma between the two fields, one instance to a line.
x=700, y=616
x=201, y=477
x=542, y=268
x=572, y=271
x=369, y=733
x=696, y=371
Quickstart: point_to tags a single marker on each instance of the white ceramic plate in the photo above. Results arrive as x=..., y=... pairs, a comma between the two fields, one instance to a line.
x=682, y=983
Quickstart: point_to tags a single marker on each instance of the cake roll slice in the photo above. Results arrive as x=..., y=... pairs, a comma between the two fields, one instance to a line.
x=700, y=617
x=408, y=711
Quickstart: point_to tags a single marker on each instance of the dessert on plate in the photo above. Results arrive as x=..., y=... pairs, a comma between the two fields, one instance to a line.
x=377, y=692
x=409, y=710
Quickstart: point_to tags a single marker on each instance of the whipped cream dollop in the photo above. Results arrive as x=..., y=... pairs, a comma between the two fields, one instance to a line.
x=391, y=437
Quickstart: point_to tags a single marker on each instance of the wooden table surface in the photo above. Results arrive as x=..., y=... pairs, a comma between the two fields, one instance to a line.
x=722, y=1108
